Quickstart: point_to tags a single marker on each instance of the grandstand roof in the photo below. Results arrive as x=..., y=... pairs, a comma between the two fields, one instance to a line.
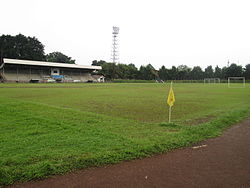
x=49, y=64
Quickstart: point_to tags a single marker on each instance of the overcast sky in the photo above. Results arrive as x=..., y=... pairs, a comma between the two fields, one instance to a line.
x=160, y=32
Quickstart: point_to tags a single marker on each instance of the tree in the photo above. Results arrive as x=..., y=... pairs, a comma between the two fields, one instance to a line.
x=218, y=72
x=196, y=73
x=59, y=58
x=183, y=72
x=234, y=70
x=113, y=71
x=153, y=73
x=122, y=71
x=21, y=47
x=98, y=63
x=224, y=72
x=142, y=74
x=147, y=72
x=132, y=71
x=109, y=71
x=173, y=73
x=209, y=72
x=247, y=71
x=163, y=73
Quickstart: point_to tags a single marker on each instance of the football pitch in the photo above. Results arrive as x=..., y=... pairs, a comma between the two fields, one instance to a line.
x=49, y=129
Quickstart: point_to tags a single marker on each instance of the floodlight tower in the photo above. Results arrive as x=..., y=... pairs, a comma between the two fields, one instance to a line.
x=115, y=55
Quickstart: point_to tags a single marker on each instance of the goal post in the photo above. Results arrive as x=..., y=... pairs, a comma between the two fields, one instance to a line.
x=236, y=82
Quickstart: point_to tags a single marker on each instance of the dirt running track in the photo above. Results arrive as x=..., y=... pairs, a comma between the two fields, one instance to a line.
x=220, y=162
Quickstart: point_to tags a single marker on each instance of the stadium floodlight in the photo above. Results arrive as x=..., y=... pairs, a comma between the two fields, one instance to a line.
x=211, y=80
x=115, y=52
x=236, y=82
x=115, y=30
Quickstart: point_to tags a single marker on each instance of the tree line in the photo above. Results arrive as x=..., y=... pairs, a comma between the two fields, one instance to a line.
x=28, y=48
x=182, y=72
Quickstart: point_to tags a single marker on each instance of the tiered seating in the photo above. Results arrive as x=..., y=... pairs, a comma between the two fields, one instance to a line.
x=39, y=77
x=68, y=78
x=78, y=78
x=36, y=77
x=23, y=78
x=11, y=77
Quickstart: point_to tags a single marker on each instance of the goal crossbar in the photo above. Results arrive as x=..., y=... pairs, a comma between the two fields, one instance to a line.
x=230, y=84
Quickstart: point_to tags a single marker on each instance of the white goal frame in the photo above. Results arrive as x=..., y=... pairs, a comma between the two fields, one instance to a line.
x=208, y=80
x=229, y=85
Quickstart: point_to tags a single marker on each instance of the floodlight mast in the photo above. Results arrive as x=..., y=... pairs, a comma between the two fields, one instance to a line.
x=115, y=55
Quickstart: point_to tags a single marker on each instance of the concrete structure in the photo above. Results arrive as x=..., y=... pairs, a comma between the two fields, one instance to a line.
x=98, y=78
x=13, y=70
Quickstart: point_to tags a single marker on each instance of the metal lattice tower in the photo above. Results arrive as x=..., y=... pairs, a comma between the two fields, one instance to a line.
x=115, y=54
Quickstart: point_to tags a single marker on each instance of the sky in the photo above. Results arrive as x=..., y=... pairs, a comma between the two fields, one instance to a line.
x=159, y=32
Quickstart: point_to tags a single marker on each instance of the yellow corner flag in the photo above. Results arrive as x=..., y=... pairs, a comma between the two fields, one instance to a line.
x=171, y=98
x=170, y=101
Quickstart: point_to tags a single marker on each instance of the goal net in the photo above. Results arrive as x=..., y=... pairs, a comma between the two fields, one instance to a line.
x=211, y=80
x=236, y=82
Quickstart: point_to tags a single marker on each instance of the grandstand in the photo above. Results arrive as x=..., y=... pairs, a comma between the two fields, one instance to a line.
x=13, y=70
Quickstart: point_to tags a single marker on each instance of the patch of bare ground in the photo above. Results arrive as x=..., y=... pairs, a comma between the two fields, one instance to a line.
x=199, y=121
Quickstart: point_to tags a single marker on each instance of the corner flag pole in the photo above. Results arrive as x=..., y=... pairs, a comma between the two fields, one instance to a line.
x=170, y=101
x=169, y=115
x=170, y=107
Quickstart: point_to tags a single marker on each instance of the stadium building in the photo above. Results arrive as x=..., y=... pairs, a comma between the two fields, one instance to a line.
x=13, y=70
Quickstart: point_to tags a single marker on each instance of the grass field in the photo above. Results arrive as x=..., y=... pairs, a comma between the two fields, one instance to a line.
x=51, y=129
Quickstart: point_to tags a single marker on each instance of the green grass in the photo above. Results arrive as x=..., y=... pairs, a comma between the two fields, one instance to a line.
x=51, y=129
x=132, y=81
